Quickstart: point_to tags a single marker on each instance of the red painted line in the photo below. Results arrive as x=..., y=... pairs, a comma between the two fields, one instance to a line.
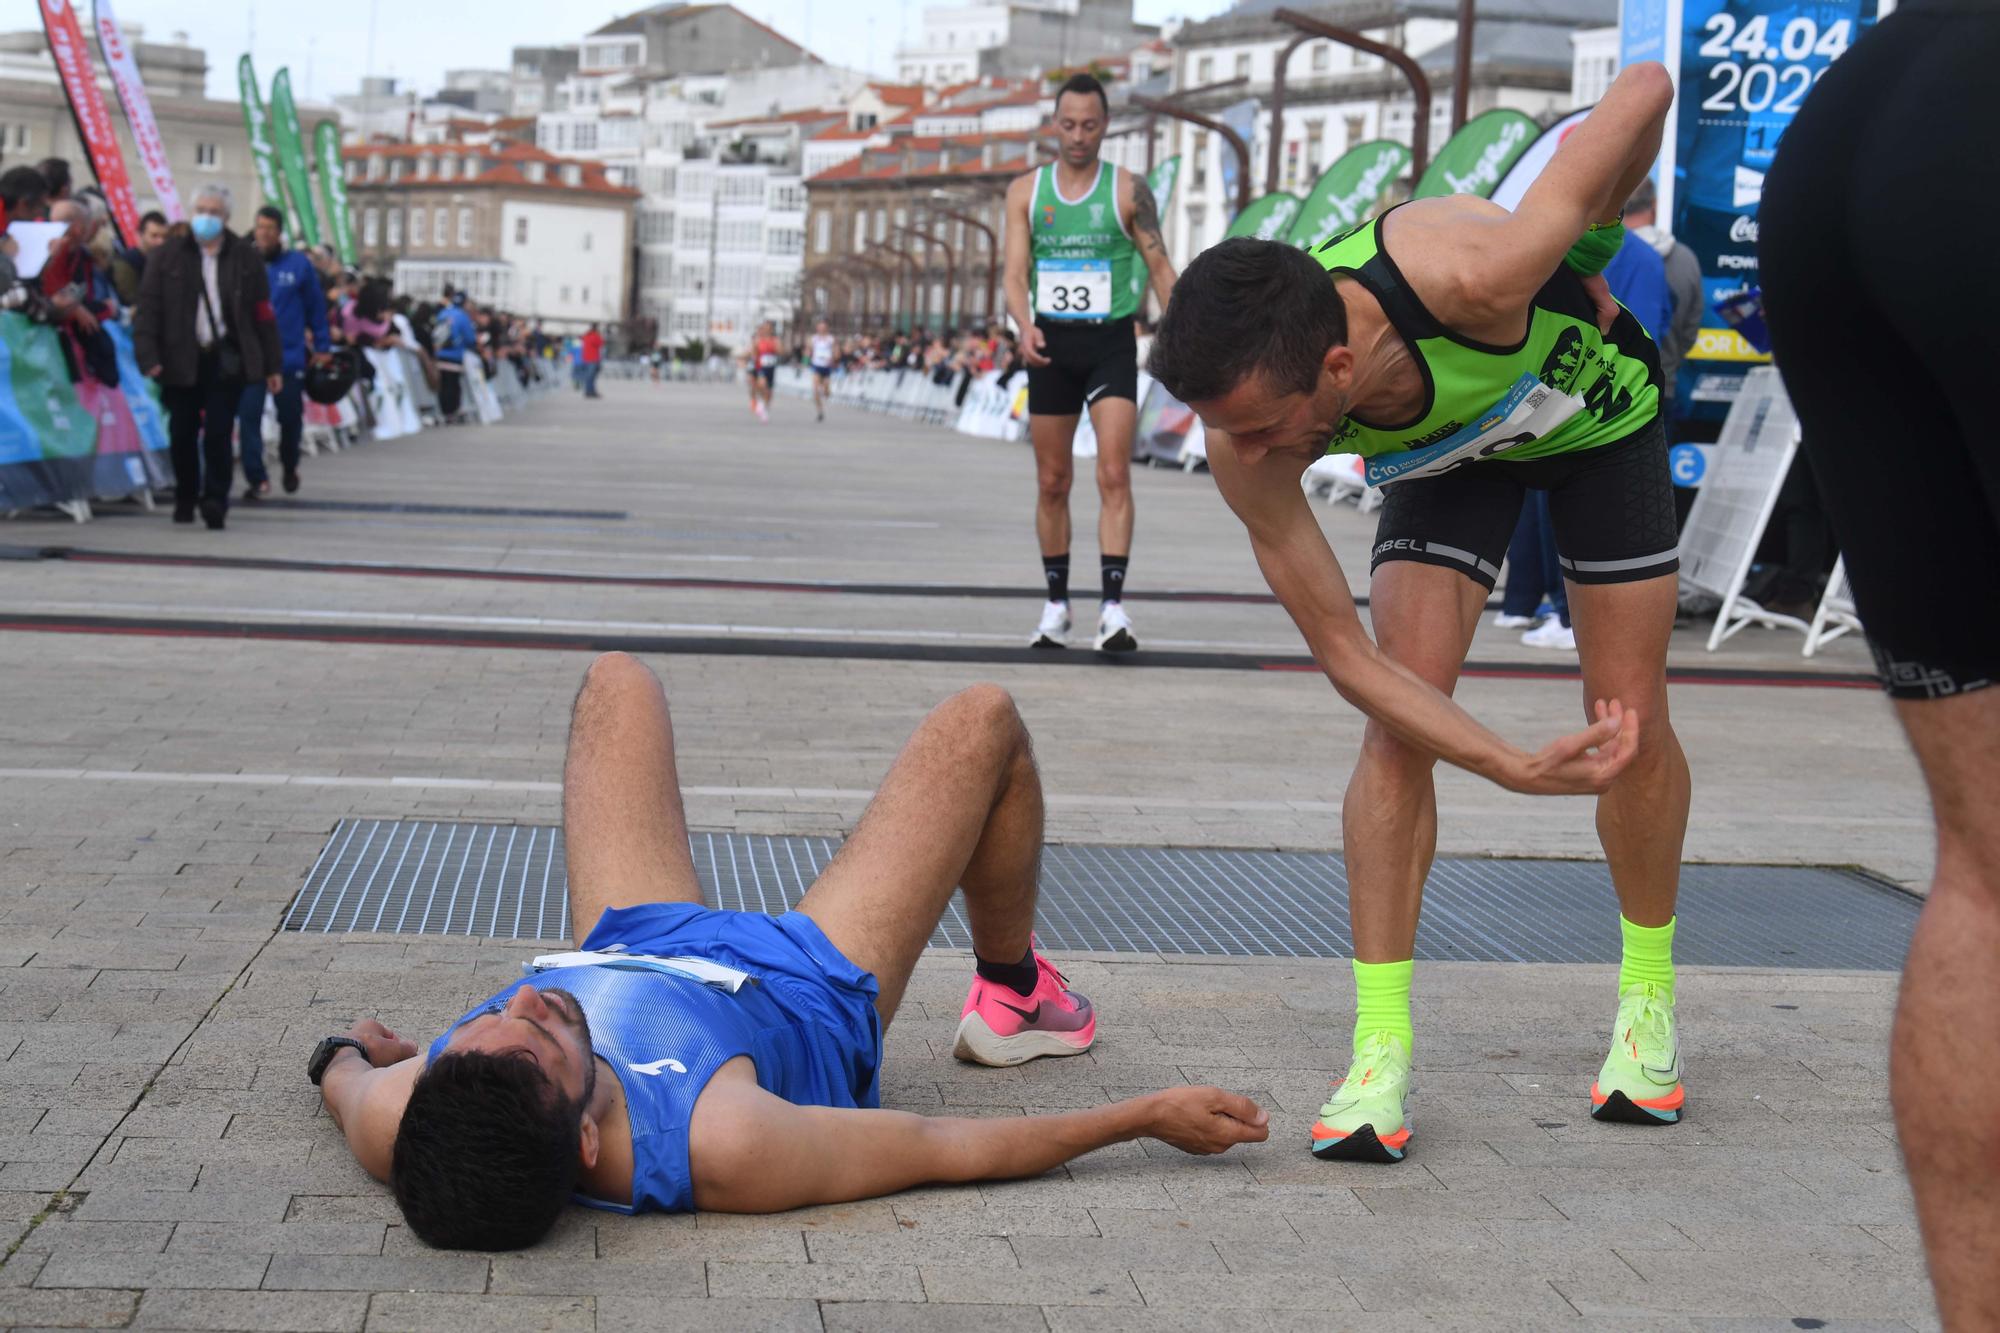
x=1699, y=676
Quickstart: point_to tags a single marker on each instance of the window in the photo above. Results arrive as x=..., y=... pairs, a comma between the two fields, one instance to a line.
x=656, y=227
x=742, y=189
x=424, y=167
x=572, y=175
x=789, y=198
x=396, y=170
x=739, y=234
x=537, y=172
x=822, y=231
x=465, y=228
x=371, y=226
x=1315, y=147
x=587, y=238
x=881, y=225
x=584, y=296
x=695, y=231
x=785, y=241
x=860, y=232
x=1243, y=65
x=1204, y=70
x=583, y=135
x=14, y=137
x=395, y=229
x=206, y=155
x=418, y=221
x=1357, y=129
x=520, y=231
x=1200, y=163
x=1322, y=57
x=375, y=165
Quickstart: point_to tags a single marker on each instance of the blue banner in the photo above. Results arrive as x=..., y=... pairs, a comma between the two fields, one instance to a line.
x=62, y=441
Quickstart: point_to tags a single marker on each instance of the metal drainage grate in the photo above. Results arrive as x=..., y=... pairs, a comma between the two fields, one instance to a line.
x=507, y=881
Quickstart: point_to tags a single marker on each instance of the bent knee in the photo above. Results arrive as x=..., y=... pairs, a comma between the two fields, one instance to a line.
x=618, y=671
x=1394, y=758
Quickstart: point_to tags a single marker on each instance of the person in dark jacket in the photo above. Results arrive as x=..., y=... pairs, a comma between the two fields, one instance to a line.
x=300, y=308
x=204, y=327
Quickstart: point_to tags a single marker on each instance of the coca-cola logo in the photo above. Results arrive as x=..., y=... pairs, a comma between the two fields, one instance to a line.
x=1743, y=231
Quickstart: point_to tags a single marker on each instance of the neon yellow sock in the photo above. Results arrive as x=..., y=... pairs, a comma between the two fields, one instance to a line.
x=1382, y=1001
x=1649, y=956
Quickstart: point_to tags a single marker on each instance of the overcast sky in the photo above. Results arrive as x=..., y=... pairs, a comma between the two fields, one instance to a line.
x=328, y=48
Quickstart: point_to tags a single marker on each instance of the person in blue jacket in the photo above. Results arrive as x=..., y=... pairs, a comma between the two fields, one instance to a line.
x=299, y=303
x=452, y=336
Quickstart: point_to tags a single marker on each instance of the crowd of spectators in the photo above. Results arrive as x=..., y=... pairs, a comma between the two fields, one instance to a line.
x=225, y=318
x=948, y=356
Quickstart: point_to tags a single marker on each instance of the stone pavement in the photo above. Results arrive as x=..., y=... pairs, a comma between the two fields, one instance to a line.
x=163, y=1163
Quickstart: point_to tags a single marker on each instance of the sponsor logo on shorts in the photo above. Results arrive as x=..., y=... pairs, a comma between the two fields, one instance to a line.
x=1400, y=544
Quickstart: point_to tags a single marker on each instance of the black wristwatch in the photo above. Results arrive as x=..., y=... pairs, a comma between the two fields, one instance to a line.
x=323, y=1054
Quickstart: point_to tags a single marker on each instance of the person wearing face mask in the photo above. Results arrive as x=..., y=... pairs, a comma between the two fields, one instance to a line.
x=299, y=306
x=205, y=327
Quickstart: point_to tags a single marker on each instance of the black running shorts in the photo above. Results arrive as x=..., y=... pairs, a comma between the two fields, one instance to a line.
x=1086, y=362
x=1612, y=508
x=1888, y=342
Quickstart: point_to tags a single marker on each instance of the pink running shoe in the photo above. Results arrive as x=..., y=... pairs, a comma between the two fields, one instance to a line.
x=1000, y=1027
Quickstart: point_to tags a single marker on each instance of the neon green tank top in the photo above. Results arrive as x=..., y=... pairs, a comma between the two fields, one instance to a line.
x=1563, y=388
x=1084, y=261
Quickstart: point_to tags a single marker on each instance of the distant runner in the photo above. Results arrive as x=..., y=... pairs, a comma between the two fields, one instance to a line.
x=1468, y=353
x=824, y=354
x=1076, y=228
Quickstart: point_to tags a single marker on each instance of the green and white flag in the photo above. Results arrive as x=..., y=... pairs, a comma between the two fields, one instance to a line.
x=1348, y=191
x=292, y=157
x=1268, y=218
x=333, y=188
x=257, y=124
x=1473, y=160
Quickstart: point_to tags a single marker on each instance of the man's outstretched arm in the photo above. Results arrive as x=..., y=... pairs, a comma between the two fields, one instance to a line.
x=366, y=1097
x=752, y=1152
x=1301, y=569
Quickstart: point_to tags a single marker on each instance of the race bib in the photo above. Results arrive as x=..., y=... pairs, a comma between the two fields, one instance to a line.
x=767, y=360
x=1073, y=288
x=1530, y=410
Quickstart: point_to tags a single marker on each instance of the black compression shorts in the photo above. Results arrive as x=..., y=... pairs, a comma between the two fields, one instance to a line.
x=1889, y=345
x=1086, y=362
x=1612, y=508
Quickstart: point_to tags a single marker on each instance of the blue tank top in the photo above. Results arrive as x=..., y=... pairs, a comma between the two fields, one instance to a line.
x=665, y=1035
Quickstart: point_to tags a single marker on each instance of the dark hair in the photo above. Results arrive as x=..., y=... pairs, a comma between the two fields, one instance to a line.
x=22, y=185
x=1247, y=305
x=55, y=170
x=276, y=215
x=1084, y=85
x=486, y=1156
x=152, y=215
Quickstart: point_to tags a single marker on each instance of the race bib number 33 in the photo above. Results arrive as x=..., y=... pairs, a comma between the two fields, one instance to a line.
x=1073, y=288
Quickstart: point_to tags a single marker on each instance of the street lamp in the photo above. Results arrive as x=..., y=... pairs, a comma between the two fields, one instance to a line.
x=992, y=243
x=910, y=264
x=1420, y=86
x=950, y=265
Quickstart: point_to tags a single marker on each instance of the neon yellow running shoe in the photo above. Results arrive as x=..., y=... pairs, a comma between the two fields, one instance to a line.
x=1640, y=1083
x=1364, y=1121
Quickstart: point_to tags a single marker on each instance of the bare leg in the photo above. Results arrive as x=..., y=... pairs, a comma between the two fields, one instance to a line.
x=1621, y=636
x=1053, y=439
x=1424, y=617
x=961, y=806
x=1942, y=1078
x=1114, y=420
x=624, y=832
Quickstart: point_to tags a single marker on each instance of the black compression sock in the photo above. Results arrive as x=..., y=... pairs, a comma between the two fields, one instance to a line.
x=1114, y=576
x=1055, y=568
x=1020, y=977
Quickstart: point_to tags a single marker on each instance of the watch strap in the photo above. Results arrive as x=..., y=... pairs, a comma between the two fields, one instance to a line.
x=323, y=1054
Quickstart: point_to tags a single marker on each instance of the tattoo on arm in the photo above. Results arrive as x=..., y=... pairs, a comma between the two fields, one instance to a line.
x=1146, y=214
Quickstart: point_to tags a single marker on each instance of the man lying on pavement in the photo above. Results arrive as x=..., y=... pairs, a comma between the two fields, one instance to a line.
x=691, y=1058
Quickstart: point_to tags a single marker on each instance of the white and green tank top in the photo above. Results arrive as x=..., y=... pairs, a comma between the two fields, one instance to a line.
x=1563, y=388
x=1084, y=259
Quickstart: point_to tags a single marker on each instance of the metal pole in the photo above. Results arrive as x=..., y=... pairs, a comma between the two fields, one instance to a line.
x=1278, y=110
x=950, y=266
x=1461, y=68
x=1235, y=140
x=1420, y=86
x=992, y=253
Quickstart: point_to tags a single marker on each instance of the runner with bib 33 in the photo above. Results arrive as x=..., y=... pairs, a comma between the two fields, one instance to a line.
x=1077, y=232
x=1468, y=354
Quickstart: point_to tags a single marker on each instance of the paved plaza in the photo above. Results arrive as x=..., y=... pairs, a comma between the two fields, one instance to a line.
x=185, y=717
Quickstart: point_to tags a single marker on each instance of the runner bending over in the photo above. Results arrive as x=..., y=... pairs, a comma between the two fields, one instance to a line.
x=1074, y=231
x=730, y=1061
x=1464, y=352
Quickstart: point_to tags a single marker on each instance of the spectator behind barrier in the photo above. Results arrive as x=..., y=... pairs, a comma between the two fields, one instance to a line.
x=70, y=282
x=204, y=326
x=55, y=170
x=453, y=334
x=298, y=308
